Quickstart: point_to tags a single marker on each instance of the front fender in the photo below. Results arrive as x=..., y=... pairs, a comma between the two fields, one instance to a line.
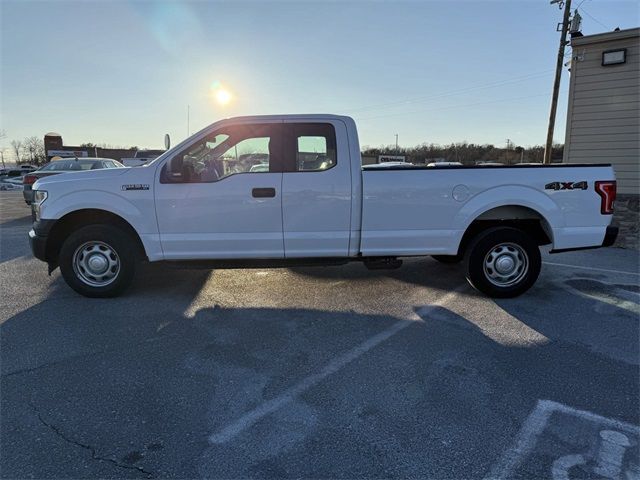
x=138, y=211
x=65, y=203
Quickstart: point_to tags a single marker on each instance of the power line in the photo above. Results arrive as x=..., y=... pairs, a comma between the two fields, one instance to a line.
x=580, y=4
x=499, y=83
x=595, y=19
x=452, y=107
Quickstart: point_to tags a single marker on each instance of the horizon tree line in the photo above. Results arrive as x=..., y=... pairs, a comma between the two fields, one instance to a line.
x=31, y=150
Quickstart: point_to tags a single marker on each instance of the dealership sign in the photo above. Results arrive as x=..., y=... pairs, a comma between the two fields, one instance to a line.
x=391, y=158
x=66, y=153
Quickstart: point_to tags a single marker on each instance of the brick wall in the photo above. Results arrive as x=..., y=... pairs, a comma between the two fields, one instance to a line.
x=627, y=218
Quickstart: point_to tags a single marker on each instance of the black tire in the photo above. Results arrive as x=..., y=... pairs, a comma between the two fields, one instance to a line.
x=448, y=259
x=506, y=245
x=117, y=242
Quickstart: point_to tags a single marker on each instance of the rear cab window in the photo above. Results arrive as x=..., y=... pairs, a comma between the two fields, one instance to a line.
x=314, y=147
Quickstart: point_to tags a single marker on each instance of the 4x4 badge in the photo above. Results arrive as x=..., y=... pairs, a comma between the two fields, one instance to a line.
x=566, y=186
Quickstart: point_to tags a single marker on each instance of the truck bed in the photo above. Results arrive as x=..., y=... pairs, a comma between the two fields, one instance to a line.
x=418, y=210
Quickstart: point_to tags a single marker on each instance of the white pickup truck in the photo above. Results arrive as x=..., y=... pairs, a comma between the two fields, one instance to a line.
x=277, y=191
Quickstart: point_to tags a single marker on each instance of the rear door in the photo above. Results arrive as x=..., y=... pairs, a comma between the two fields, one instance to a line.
x=316, y=189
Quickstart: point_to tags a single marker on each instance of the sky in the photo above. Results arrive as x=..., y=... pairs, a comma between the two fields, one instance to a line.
x=124, y=72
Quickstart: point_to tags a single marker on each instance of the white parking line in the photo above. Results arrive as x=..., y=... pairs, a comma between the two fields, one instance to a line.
x=591, y=268
x=535, y=424
x=251, y=417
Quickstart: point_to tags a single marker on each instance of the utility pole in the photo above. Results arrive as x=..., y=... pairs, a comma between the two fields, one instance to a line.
x=556, y=83
x=396, y=143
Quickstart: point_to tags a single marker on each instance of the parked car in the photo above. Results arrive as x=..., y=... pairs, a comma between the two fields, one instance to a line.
x=64, y=166
x=384, y=165
x=490, y=164
x=185, y=207
x=141, y=157
x=12, y=176
x=444, y=164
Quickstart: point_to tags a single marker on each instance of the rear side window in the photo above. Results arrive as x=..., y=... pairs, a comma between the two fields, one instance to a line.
x=315, y=147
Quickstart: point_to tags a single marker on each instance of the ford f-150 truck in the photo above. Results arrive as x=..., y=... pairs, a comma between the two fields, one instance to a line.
x=274, y=191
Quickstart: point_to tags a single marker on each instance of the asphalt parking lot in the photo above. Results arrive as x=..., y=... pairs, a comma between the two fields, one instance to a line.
x=328, y=372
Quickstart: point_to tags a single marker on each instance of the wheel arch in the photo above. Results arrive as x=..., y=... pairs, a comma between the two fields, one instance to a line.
x=83, y=217
x=517, y=216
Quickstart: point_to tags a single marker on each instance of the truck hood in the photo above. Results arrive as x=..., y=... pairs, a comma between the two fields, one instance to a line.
x=83, y=177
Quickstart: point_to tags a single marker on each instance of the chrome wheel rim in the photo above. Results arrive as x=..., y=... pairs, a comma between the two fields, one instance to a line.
x=96, y=264
x=506, y=264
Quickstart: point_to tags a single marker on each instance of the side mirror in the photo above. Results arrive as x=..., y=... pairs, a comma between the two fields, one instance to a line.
x=167, y=141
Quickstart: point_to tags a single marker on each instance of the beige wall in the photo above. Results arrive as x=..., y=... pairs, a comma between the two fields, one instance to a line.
x=603, y=118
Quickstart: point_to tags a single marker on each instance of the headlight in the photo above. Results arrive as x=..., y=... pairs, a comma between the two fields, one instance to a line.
x=39, y=196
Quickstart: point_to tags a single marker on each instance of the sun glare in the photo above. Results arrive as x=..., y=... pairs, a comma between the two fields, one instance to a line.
x=223, y=96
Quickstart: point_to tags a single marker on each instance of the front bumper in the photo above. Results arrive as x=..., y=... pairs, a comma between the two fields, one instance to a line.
x=38, y=245
x=38, y=238
x=27, y=194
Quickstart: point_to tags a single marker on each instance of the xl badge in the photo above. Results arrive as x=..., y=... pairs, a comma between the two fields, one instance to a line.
x=136, y=186
x=566, y=186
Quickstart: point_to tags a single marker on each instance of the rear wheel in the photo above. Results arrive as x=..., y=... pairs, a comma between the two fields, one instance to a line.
x=503, y=262
x=98, y=261
x=448, y=259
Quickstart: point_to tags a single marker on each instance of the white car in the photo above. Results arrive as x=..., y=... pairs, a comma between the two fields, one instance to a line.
x=387, y=165
x=444, y=164
x=141, y=157
x=200, y=202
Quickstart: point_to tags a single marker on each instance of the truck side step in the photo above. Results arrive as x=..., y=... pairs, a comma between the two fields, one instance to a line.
x=382, y=263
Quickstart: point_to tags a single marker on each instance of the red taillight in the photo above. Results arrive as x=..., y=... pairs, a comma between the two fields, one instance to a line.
x=607, y=192
x=29, y=179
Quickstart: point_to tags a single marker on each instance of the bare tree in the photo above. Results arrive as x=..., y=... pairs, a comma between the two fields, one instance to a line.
x=34, y=146
x=3, y=135
x=17, y=147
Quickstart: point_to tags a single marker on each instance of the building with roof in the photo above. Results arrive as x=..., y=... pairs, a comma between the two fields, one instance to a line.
x=603, y=116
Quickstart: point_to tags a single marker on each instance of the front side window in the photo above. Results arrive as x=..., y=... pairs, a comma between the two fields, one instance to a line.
x=228, y=151
x=315, y=147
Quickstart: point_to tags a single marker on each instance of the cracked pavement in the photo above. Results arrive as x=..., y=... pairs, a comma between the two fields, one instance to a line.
x=310, y=372
x=130, y=459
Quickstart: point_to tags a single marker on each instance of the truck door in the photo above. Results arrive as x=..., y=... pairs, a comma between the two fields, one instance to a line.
x=316, y=189
x=221, y=197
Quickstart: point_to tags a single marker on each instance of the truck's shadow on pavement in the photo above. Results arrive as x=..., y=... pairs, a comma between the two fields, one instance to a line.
x=136, y=386
x=423, y=272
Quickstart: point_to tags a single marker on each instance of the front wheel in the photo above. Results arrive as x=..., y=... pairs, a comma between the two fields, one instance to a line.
x=503, y=262
x=98, y=261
